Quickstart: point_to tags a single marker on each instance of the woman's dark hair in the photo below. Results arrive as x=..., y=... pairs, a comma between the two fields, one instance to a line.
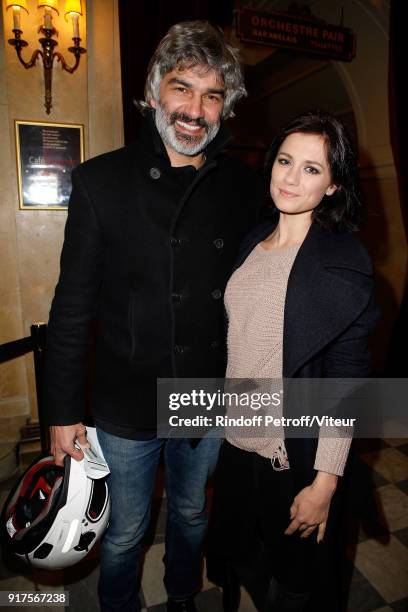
x=340, y=211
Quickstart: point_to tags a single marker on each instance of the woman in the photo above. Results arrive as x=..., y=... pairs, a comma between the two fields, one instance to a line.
x=300, y=305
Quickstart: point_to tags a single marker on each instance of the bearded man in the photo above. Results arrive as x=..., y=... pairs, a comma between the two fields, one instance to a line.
x=152, y=233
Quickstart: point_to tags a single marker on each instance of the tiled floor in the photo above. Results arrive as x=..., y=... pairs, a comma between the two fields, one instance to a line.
x=378, y=550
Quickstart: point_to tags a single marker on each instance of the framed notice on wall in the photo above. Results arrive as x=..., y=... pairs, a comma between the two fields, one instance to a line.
x=46, y=155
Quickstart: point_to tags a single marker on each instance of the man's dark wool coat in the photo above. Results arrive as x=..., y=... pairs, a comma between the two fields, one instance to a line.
x=147, y=253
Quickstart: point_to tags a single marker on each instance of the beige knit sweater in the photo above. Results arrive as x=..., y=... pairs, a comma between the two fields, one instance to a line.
x=255, y=302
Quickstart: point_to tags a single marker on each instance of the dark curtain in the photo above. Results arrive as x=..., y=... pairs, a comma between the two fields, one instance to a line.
x=142, y=24
x=398, y=105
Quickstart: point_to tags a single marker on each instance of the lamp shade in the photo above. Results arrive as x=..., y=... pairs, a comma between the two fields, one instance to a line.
x=21, y=3
x=50, y=3
x=73, y=6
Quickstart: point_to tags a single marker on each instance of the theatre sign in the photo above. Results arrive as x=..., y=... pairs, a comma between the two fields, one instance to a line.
x=298, y=33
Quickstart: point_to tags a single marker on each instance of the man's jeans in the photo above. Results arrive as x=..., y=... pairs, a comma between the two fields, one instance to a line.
x=133, y=466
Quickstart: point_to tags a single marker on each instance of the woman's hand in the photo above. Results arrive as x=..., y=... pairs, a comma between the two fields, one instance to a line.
x=310, y=507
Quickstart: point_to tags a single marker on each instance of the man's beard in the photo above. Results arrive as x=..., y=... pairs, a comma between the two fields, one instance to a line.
x=186, y=144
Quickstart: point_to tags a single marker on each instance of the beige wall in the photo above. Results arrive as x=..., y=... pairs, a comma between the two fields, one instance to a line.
x=30, y=241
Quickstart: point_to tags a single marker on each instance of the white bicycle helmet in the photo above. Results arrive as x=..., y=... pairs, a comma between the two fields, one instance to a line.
x=55, y=515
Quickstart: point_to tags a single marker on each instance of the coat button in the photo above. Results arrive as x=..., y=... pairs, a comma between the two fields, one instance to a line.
x=154, y=173
x=215, y=344
x=218, y=243
x=177, y=297
x=175, y=241
x=217, y=293
x=179, y=349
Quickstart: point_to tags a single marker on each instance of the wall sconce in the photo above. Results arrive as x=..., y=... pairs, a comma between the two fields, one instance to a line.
x=47, y=53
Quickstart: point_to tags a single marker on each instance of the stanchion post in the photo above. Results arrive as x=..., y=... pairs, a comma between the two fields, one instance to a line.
x=39, y=337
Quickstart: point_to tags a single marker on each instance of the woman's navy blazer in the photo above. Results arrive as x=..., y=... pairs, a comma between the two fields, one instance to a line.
x=329, y=313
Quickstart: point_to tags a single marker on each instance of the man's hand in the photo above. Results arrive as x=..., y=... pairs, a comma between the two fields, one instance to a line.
x=62, y=441
x=310, y=507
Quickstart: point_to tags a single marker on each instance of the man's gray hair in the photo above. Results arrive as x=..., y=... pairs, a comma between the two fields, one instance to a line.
x=193, y=43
